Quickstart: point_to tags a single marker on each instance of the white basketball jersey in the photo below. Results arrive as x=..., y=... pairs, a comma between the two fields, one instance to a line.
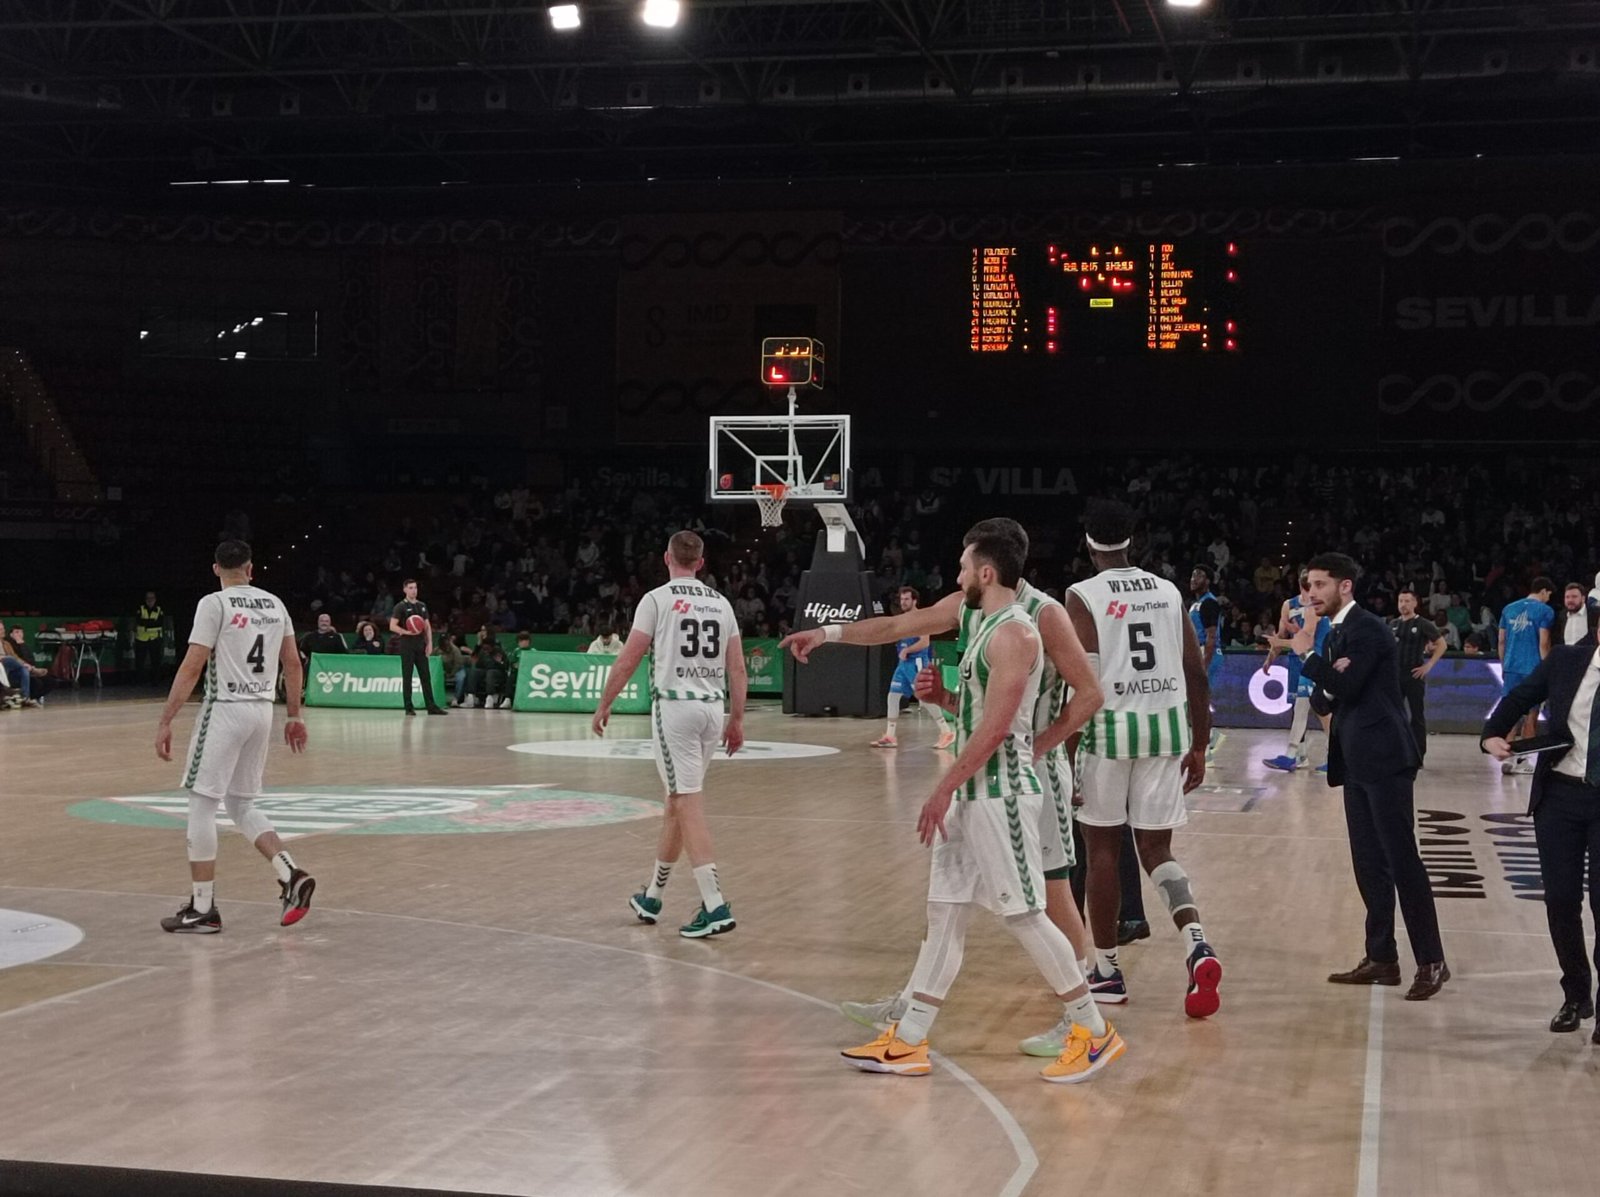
x=1139, y=619
x=692, y=630
x=244, y=627
x=1009, y=771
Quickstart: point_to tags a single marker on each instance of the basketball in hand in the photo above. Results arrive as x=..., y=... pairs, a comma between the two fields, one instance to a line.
x=415, y=624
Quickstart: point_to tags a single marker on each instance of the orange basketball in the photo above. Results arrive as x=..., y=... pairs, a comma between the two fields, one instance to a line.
x=415, y=623
x=725, y=482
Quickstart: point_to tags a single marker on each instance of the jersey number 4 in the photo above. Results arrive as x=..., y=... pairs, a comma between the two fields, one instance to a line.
x=1140, y=649
x=257, y=656
x=693, y=629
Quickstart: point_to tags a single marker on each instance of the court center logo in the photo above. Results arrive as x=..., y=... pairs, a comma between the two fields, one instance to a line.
x=391, y=810
x=641, y=750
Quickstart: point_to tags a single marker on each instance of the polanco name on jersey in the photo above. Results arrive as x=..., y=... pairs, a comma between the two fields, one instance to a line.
x=546, y=681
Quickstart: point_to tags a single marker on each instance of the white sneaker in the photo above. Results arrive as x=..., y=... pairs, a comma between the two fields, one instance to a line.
x=1524, y=765
x=880, y=1014
x=1050, y=1044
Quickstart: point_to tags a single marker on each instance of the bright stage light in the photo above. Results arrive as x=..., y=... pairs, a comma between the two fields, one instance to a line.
x=565, y=16
x=663, y=14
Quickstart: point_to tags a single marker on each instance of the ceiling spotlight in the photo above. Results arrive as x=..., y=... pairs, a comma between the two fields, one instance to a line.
x=1185, y=3
x=663, y=14
x=565, y=16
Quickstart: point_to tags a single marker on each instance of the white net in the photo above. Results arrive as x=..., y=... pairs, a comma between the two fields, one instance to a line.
x=769, y=501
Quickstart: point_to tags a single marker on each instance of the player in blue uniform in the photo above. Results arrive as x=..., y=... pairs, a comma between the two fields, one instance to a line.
x=914, y=652
x=1206, y=615
x=1524, y=642
x=1290, y=620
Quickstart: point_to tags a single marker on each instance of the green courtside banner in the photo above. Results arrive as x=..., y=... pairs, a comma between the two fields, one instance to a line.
x=358, y=680
x=764, y=664
x=574, y=682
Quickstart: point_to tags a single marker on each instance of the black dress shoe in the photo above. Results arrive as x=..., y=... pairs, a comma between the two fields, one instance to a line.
x=1131, y=929
x=1429, y=980
x=437, y=711
x=1570, y=1015
x=1595, y=1038
x=1368, y=972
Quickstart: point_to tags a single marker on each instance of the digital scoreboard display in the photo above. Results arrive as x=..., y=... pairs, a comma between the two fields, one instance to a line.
x=1106, y=298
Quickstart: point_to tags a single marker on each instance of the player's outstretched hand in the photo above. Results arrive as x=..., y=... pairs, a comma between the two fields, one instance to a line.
x=1194, y=768
x=164, y=741
x=602, y=716
x=294, y=734
x=929, y=686
x=931, y=820
x=801, y=644
x=733, y=736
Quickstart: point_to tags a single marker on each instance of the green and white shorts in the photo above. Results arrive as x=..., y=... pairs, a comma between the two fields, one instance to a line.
x=684, y=737
x=991, y=857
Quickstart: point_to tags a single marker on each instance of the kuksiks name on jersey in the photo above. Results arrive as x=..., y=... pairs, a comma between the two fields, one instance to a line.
x=694, y=590
x=1146, y=685
x=1129, y=585
x=250, y=604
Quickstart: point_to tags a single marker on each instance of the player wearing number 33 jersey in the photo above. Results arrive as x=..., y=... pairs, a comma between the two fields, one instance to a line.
x=698, y=658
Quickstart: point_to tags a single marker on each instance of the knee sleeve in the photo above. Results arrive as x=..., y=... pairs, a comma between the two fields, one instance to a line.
x=939, y=960
x=202, y=827
x=1302, y=718
x=252, y=824
x=1049, y=948
x=1173, y=884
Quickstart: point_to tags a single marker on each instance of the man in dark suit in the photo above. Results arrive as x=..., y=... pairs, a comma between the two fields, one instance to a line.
x=1565, y=805
x=1372, y=754
x=1575, y=618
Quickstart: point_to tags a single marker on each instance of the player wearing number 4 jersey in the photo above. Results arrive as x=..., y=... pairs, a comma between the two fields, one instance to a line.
x=1144, y=750
x=240, y=638
x=698, y=658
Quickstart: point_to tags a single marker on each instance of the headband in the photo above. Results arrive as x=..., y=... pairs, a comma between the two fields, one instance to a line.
x=1108, y=548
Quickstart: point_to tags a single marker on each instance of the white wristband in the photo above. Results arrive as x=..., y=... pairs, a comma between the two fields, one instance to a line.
x=832, y=633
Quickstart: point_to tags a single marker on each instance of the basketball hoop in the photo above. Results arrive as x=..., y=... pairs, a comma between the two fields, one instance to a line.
x=769, y=501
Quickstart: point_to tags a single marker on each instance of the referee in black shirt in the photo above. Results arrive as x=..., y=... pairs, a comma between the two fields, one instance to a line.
x=1421, y=646
x=415, y=647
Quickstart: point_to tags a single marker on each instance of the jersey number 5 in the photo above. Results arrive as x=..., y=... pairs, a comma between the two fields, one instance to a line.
x=1140, y=649
x=693, y=629
x=257, y=656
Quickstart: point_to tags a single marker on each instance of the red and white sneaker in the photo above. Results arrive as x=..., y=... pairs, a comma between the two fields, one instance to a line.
x=296, y=894
x=1205, y=974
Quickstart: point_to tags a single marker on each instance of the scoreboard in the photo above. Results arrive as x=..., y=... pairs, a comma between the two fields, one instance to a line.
x=1106, y=298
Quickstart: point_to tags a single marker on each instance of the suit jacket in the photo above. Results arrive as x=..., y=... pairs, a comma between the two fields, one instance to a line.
x=1371, y=738
x=1558, y=631
x=1556, y=682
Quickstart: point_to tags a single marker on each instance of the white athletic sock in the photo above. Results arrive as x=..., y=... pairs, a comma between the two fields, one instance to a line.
x=1297, y=730
x=1085, y=1011
x=919, y=1016
x=1105, y=961
x=1191, y=935
x=710, y=892
x=894, y=713
x=659, y=881
x=283, y=866
x=202, y=895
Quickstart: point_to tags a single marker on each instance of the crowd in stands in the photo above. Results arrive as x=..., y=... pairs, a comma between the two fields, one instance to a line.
x=1467, y=535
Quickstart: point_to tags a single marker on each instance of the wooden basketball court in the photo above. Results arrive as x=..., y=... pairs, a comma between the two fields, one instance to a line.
x=471, y=1006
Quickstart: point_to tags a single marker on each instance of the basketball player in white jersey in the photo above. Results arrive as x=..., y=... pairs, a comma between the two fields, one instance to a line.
x=699, y=658
x=240, y=639
x=1143, y=751
x=989, y=855
x=1066, y=667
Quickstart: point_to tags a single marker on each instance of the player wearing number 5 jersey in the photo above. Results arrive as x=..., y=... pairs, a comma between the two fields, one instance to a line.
x=241, y=637
x=698, y=658
x=1144, y=750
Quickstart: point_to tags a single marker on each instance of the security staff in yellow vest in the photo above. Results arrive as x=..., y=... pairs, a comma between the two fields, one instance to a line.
x=147, y=644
